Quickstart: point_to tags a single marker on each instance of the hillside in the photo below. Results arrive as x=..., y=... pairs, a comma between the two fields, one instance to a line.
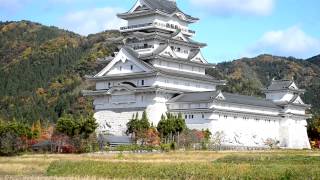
x=42, y=69
x=248, y=75
x=315, y=60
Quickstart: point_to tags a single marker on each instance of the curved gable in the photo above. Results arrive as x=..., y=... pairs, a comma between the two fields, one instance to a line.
x=124, y=63
x=180, y=37
x=199, y=58
x=139, y=6
x=168, y=52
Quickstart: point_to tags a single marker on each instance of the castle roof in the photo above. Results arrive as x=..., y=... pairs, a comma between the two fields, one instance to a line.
x=211, y=96
x=248, y=100
x=283, y=85
x=156, y=55
x=165, y=37
x=168, y=7
x=280, y=84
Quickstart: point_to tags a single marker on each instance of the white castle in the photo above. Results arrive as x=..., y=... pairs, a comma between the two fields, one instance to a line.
x=160, y=69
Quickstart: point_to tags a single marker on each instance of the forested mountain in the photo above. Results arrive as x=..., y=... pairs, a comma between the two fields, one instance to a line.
x=248, y=75
x=42, y=69
x=315, y=60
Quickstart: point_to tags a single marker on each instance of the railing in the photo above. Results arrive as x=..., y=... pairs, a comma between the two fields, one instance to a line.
x=136, y=26
x=143, y=47
x=156, y=24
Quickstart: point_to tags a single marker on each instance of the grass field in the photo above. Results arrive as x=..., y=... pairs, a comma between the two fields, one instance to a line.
x=175, y=165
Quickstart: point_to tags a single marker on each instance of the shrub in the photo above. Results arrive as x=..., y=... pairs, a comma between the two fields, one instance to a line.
x=272, y=143
x=13, y=138
x=165, y=147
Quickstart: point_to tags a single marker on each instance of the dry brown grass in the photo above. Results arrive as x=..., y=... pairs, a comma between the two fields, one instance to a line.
x=47, y=178
x=35, y=166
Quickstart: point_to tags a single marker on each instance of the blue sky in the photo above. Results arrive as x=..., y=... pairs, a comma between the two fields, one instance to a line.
x=231, y=28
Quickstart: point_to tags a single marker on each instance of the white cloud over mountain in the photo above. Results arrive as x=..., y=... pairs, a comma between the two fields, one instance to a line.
x=10, y=6
x=292, y=41
x=236, y=7
x=92, y=20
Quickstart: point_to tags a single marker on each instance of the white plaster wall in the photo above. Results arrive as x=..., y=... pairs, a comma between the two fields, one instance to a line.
x=157, y=109
x=179, y=67
x=245, y=108
x=279, y=96
x=293, y=134
x=117, y=119
x=253, y=132
x=141, y=20
x=295, y=110
x=171, y=20
x=124, y=68
x=102, y=85
x=237, y=131
x=114, y=122
x=182, y=54
x=158, y=19
x=186, y=85
x=126, y=101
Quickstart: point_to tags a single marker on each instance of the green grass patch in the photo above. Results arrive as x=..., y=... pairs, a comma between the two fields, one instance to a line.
x=270, y=159
x=229, y=167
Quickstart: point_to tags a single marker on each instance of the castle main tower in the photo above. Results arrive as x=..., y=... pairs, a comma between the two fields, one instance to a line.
x=158, y=61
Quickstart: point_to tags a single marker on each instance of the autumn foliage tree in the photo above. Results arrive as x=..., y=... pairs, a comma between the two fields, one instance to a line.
x=14, y=138
x=138, y=128
x=314, y=128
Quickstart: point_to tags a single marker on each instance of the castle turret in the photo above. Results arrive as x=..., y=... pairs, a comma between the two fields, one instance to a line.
x=283, y=91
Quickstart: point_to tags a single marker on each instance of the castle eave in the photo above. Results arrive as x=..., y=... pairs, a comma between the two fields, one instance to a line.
x=121, y=76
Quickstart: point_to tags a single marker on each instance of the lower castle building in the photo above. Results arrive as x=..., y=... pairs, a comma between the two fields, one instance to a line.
x=160, y=69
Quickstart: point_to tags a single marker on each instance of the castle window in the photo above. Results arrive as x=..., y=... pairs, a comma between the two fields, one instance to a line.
x=131, y=67
x=142, y=82
x=186, y=116
x=202, y=116
x=192, y=116
x=120, y=68
x=109, y=84
x=178, y=49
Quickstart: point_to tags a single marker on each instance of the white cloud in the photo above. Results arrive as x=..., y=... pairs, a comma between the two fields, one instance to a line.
x=236, y=7
x=92, y=20
x=11, y=6
x=288, y=42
